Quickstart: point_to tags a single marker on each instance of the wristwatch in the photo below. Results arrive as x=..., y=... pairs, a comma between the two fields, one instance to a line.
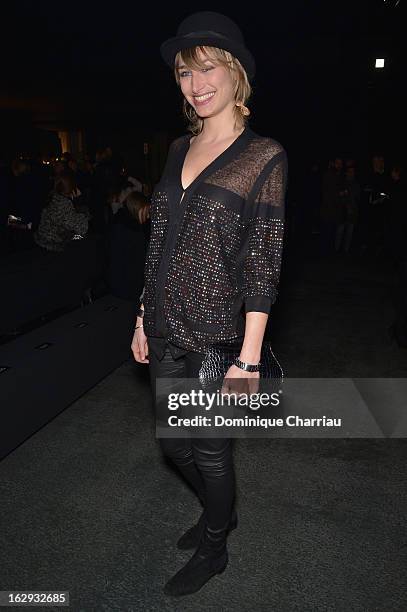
x=248, y=367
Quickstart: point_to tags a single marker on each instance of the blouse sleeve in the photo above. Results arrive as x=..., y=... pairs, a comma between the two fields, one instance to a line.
x=264, y=236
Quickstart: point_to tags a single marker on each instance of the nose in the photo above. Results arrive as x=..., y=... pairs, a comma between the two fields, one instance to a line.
x=198, y=81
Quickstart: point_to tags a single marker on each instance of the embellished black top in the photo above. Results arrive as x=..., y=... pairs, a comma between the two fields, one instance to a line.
x=215, y=247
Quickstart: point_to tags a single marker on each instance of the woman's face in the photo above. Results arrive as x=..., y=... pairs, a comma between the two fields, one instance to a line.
x=208, y=90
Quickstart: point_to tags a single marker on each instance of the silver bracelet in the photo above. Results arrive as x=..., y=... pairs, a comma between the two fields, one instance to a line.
x=137, y=326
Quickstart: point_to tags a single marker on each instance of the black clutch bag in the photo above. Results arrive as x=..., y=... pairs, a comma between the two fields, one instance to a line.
x=219, y=358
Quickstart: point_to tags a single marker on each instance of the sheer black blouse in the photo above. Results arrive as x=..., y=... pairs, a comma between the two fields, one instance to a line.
x=215, y=248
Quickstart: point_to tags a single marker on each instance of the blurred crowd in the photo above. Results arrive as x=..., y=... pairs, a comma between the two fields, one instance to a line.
x=354, y=211
x=360, y=214
x=48, y=205
x=30, y=188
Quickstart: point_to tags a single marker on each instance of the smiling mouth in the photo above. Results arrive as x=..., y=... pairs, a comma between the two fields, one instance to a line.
x=204, y=97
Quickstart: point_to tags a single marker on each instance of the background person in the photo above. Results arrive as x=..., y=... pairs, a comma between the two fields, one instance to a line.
x=60, y=221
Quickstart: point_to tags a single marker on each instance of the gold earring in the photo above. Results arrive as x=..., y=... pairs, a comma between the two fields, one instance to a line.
x=243, y=109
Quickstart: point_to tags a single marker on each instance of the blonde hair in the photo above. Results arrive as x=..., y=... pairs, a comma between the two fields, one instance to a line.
x=242, y=88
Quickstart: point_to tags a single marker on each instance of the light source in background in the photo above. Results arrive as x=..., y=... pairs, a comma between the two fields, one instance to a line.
x=379, y=63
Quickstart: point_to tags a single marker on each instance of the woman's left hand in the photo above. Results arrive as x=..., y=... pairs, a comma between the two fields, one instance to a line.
x=240, y=382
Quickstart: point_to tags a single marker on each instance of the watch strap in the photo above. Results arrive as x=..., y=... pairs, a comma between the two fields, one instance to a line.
x=248, y=367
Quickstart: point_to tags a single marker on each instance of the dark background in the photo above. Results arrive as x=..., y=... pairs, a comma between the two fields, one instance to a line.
x=96, y=67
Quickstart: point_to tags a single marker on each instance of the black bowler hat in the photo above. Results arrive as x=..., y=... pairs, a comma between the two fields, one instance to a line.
x=212, y=30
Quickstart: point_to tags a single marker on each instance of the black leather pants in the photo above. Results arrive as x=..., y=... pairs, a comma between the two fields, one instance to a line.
x=206, y=463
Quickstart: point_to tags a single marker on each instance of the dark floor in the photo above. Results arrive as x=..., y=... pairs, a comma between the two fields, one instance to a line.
x=90, y=506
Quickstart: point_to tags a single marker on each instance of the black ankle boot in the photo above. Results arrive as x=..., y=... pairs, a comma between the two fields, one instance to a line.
x=192, y=537
x=210, y=558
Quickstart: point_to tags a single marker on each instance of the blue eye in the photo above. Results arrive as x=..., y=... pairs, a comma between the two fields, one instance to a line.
x=184, y=73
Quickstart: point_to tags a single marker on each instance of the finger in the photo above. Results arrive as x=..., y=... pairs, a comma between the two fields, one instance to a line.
x=234, y=387
x=138, y=357
x=236, y=390
x=253, y=385
x=135, y=350
x=225, y=387
x=140, y=347
x=239, y=386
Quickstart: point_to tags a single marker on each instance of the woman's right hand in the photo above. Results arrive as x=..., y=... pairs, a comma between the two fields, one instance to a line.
x=139, y=345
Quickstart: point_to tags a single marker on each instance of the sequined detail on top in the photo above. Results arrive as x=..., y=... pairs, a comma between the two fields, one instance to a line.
x=215, y=249
x=159, y=226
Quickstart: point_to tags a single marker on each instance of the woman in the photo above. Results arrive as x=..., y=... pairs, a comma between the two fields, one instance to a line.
x=213, y=261
x=60, y=221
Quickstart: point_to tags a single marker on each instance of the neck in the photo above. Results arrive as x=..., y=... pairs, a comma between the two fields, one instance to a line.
x=219, y=128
